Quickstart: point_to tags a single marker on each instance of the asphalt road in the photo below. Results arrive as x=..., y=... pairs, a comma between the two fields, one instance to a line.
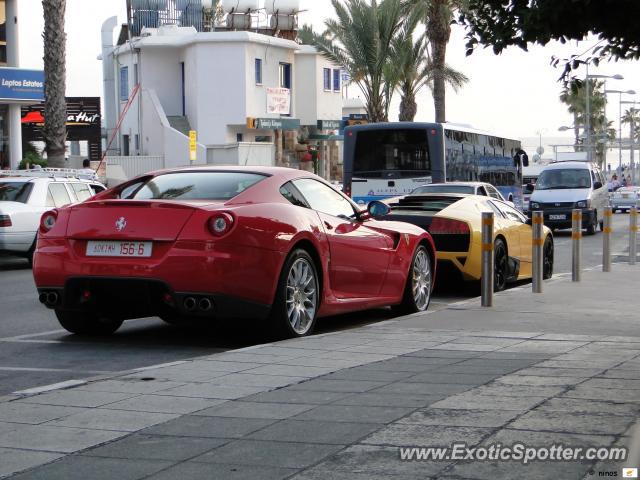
x=35, y=351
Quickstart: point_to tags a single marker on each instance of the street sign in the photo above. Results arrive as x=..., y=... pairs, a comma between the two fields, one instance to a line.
x=273, y=123
x=193, y=145
x=329, y=124
x=540, y=150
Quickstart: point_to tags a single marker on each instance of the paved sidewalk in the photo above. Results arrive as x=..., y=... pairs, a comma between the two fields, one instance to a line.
x=561, y=367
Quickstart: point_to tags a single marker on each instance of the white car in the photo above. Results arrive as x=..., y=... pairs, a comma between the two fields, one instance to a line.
x=470, y=188
x=624, y=198
x=26, y=195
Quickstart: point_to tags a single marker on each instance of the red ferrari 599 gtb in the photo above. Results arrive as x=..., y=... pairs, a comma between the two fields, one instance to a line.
x=227, y=242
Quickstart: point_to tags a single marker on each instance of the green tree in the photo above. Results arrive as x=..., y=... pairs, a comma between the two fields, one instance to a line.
x=360, y=40
x=632, y=118
x=55, y=105
x=503, y=23
x=574, y=96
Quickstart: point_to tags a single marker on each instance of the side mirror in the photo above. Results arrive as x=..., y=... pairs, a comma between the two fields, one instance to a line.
x=597, y=185
x=529, y=187
x=378, y=209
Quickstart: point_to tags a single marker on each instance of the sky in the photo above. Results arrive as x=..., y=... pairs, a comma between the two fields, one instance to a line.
x=514, y=94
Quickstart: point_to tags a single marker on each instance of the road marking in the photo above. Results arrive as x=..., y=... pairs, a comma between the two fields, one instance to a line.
x=33, y=335
x=31, y=341
x=49, y=388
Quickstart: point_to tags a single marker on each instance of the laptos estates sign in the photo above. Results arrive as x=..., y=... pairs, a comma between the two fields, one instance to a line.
x=21, y=85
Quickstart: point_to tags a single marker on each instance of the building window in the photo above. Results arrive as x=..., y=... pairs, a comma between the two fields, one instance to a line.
x=285, y=75
x=124, y=84
x=136, y=143
x=336, y=80
x=239, y=137
x=125, y=146
x=135, y=74
x=326, y=75
x=258, y=71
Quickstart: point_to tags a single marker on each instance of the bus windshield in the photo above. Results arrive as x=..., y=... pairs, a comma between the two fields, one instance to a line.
x=403, y=152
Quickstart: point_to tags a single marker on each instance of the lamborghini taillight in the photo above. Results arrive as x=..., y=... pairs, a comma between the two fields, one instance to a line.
x=447, y=226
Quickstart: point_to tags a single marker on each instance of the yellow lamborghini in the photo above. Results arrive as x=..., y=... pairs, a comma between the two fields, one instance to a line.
x=454, y=222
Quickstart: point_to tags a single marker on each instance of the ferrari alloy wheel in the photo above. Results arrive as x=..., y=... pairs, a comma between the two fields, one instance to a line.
x=501, y=265
x=417, y=294
x=82, y=323
x=421, y=282
x=547, y=259
x=297, y=299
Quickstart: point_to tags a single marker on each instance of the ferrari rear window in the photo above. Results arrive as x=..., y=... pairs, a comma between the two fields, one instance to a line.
x=196, y=186
x=15, y=191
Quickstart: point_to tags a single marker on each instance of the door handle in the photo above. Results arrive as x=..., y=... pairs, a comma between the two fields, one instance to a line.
x=328, y=225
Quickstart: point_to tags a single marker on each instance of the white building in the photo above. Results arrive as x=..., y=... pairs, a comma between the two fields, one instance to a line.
x=234, y=88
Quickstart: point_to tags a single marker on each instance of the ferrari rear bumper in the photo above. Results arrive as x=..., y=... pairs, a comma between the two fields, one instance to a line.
x=127, y=298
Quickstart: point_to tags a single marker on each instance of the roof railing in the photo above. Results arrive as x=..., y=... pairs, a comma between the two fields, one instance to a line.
x=50, y=173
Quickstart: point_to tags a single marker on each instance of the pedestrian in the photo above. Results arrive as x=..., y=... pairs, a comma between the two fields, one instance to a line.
x=86, y=171
x=613, y=184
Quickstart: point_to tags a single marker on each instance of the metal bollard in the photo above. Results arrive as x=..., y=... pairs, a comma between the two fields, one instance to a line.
x=633, y=231
x=606, y=239
x=576, y=236
x=487, y=260
x=537, y=220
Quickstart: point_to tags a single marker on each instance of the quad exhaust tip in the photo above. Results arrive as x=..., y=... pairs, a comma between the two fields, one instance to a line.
x=190, y=304
x=49, y=299
x=205, y=305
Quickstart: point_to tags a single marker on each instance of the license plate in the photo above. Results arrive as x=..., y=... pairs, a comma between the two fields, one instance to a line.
x=557, y=217
x=119, y=249
x=625, y=195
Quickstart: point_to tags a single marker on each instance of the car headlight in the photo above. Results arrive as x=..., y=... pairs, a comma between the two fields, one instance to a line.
x=583, y=204
x=534, y=205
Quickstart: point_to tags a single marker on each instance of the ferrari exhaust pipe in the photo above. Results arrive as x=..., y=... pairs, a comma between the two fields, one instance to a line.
x=205, y=305
x=52, y=298
x=190, y=304
x=43, y=298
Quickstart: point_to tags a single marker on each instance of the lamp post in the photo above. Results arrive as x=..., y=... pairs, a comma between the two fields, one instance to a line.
x=588, y=121
x=620, y=93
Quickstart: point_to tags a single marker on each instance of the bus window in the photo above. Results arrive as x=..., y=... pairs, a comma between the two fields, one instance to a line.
x=404, y=151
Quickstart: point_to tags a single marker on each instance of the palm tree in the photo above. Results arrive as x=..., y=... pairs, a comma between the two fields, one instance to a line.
x=438, y=16
x=574, y=96
x=55, y=106
x=632, y=118
x=360, y=40
x=416, y=71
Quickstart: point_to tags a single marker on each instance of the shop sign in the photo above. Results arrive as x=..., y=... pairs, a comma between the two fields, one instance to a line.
x=21, y=85
x=278, y=101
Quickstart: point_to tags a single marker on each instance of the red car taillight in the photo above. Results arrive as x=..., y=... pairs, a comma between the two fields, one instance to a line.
x=220, y=224
x=446, y=226
x=48, y=220
x=5, y=221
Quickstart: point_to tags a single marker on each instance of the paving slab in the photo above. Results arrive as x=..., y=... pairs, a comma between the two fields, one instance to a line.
x=215, y=427
x=14, y=460
x=21, y=412
x=407, y=435
x=285, y=395
x=200, y=471
x=589, y=407
x=54, y=439
x=355, y=413
x=77, y=398
x=81, y=468
x=389, y=399
x=119, y=420
x=164, y=404
x=571, y=422
x=372, y=462
x=269, y=453
x=156, y=447
x=243, y=409
x=460, y=418
x=347, y=386
x=315, y=431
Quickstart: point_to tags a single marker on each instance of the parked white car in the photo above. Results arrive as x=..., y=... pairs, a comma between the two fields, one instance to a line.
x=624, y=198
x=25, y=195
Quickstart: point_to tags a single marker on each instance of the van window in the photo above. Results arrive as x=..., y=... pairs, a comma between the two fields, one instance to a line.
x=57, y=195
x=563, y=179
x=82, y=191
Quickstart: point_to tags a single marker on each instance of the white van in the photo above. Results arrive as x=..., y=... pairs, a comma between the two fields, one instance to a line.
x=563, y=186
